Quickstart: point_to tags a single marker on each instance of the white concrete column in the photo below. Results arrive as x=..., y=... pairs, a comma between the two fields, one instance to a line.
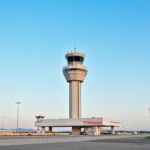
x=112, y=130
x=75, y=99
x=97, y=130
x=43, y=129
x=79, y=97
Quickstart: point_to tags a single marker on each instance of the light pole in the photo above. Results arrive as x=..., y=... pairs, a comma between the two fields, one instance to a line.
x=2, y=123
x=17, y=114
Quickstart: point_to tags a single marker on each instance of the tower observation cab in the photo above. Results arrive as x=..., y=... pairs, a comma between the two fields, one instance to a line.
x=75, y=71
x=75, y=74
x=75, y=57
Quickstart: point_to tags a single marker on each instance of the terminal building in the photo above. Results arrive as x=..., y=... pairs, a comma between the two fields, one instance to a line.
x=75, y=73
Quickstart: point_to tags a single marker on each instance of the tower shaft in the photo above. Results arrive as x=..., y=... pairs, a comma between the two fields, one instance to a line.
x=75, y=99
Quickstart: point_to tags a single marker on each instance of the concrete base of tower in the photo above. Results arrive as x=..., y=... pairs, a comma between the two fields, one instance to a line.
x=76, y=130
x=91, y=125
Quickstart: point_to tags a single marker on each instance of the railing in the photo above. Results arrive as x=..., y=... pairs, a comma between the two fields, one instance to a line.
x=75, y=64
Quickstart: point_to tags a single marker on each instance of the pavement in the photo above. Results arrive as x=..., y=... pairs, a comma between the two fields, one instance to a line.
x=131, y=142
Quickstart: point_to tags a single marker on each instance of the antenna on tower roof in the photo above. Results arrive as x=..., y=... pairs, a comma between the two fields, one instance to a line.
x=74, y=48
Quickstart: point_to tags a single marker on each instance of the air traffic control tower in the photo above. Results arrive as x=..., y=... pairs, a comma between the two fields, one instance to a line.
x=75, y=73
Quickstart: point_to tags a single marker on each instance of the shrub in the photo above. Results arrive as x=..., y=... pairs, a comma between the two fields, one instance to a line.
x=148, y=137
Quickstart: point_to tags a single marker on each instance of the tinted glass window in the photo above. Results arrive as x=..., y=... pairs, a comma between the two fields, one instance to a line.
x=70, y=59
x=82, y=59
x=74, y=69
x=77, y=58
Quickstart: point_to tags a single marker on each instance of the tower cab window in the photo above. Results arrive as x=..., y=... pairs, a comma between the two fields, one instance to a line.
x=75, y=58
x=70, y=59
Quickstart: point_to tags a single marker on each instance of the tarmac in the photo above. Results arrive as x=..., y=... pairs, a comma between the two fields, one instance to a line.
x=130, y=142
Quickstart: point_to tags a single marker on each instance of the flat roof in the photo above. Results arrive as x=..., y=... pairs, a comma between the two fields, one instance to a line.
x=76, y=122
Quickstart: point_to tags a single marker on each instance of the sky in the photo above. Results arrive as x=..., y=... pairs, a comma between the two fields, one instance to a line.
x=114, y=36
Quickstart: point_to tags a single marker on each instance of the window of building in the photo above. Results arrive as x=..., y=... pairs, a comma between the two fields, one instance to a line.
x=75, y=58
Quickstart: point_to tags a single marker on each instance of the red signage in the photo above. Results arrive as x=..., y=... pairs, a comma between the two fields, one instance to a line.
x=93, y=122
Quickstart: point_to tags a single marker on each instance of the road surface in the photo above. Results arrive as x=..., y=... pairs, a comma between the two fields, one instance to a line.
x=135, y=142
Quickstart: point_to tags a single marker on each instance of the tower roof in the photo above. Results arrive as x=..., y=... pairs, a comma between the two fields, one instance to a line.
x=74, y=54
x=75, y=57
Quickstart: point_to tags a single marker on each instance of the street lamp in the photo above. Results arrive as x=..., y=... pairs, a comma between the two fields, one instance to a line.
x=17, y=114
x=2, y=123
